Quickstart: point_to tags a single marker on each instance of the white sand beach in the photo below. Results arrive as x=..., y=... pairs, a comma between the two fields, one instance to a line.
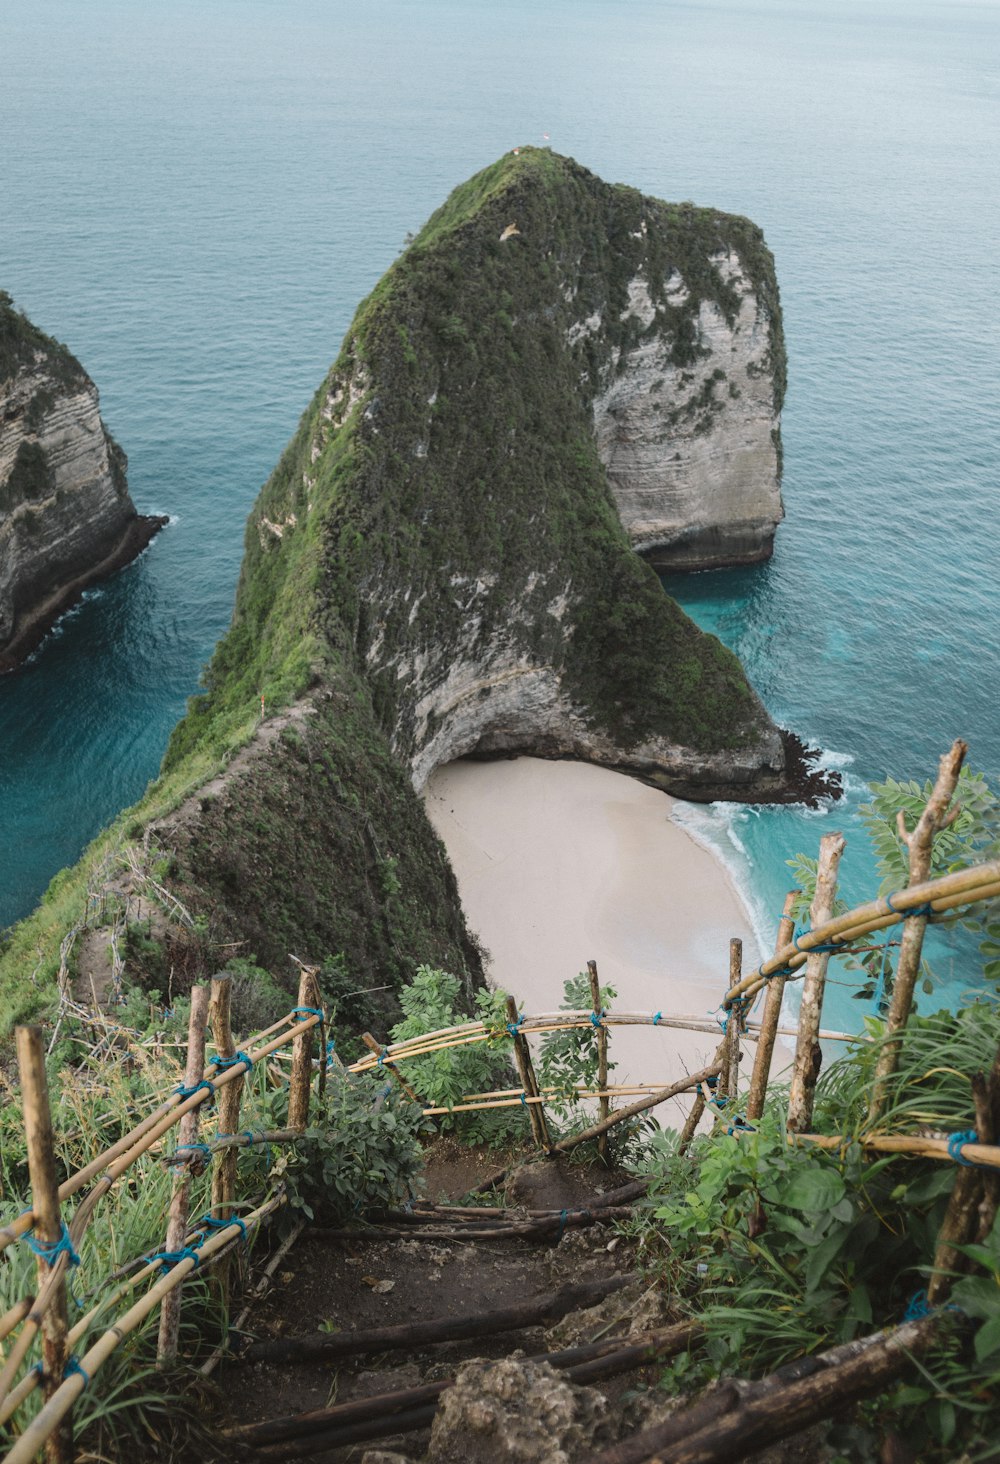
x=559, y=863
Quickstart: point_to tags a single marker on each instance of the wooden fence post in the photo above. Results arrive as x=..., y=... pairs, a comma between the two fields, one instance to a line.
x=187, y=1133
x=808, y=1053
x=526, y=1073
x=229, y=1100
x=602, y=1053
x=973, y=1202
x=920, y=844
x=300, y=1082
x=48, y=1222
x=730, y=1080
x=772, y=1014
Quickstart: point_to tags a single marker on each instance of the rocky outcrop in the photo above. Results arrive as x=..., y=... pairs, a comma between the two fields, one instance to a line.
x=547, y=378
x=66, y=518
x=693, y=447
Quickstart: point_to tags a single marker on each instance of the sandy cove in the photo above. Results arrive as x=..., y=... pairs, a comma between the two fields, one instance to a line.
x=559, y=863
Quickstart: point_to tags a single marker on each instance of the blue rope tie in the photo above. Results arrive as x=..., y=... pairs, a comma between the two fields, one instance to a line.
x=258, y=1138
x=955, y=1144
x=907, y=914
x=51, y=1250
x=596, y=1018
x=184, y=1151
x=302, y=1012
x=740, y=1125
x=817, y=950
x=222, y=1063
x=562, y=1224
x=212, y=1222
x=657, y=1018
x=514, y=1027
x=331, y=1048
x=167, y=1259
x=73, y=1367
x=524, y=1100
x=382, y=1057
x=712, y=1082
x=186, y=1093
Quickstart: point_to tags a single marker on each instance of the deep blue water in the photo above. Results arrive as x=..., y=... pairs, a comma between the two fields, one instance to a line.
x=195, y=198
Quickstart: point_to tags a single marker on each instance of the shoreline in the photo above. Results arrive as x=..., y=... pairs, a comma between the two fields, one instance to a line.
x=559, y=863
x=37, y=621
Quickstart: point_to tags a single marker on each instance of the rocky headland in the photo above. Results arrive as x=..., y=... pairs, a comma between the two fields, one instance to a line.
x=66, y=518
x=554, y=374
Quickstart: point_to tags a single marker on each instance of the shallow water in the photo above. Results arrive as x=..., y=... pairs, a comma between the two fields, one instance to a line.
x=196, y=197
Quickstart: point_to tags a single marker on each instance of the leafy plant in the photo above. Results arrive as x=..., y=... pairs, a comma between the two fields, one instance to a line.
x=361, y=1152
x=444, y=1079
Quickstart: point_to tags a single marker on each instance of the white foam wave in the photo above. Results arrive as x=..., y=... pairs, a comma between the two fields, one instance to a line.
x=714, y=827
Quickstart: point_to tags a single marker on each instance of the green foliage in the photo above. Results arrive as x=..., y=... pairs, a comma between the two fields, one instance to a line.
x=569, y=1059
x=972, y=838
x=361, y=1152
x=446, y=1078
x=786, y=1249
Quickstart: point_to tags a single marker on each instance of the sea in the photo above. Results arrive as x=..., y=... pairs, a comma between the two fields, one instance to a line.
x=195, y=197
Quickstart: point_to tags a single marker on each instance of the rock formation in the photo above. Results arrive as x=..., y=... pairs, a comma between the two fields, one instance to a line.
x=443, y=519
x=66, y=519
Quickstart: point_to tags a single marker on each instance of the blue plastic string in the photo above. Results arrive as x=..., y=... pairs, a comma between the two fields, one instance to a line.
x=302, y=1012
x=955, y=1144
x=195, y=1088
x=524, y=1101
x=73, y=1367
x=227, y=1062
x=184, y=1151
x=167, y=1259
x=596, y=1018
x=514, y=1027
x=51, y=1250
x=657, y=1018
x=212, y=1222
x=907, y=914
x=562, y=1224
x=331, y=1048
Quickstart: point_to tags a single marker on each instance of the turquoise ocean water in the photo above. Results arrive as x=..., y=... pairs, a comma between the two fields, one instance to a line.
x=196, y=196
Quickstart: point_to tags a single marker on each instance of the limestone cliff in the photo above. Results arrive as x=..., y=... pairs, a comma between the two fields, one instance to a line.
x=66, y=518
x=443, y=523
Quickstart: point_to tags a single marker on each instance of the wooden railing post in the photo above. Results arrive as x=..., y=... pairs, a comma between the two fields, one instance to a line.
x=808, y=1054
x=526, y=1073
x=187, y=1133
x=602, y=1053
x=300, y=1082
x=729, y=1082
x=229, y=1100
x=48, y=1222
x=772, y=1014
x=920, y=845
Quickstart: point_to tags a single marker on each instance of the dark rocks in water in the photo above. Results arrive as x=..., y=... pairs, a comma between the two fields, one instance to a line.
x=66, y=518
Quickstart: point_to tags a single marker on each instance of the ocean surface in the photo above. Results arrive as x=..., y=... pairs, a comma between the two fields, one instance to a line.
x=195, y=198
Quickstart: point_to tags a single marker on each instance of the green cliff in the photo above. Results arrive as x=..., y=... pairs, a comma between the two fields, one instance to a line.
x=438, y=566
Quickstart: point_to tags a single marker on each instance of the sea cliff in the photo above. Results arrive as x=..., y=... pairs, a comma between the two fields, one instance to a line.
x=444, y=563
x=66, y=518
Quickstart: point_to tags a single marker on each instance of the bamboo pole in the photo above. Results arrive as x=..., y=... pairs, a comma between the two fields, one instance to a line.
x=920, y=846
x=529, y=1083
x=382, y=1061
x=945, y=893
x=604, y=1107
x=915, y=1145
x=230, y=1098
x=121, y=1155
x=177, y=1221
x=769, y=1021
x=683, y=1086
x=48, y=1418
x=729, y=1079
x=302, y=1052
x=961, y=1224
x=48, y=1224
x=808, y=1054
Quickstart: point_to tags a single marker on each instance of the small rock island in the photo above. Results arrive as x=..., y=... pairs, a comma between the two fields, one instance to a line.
x=66, y=518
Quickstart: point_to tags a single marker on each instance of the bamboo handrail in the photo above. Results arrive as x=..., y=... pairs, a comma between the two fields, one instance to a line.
x=50, y=1416
x=123, y=1153
x=962, y=887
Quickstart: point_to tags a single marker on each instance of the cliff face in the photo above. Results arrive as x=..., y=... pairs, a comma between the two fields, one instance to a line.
x=66, y=518
x=687, y=421
x=443, y=522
